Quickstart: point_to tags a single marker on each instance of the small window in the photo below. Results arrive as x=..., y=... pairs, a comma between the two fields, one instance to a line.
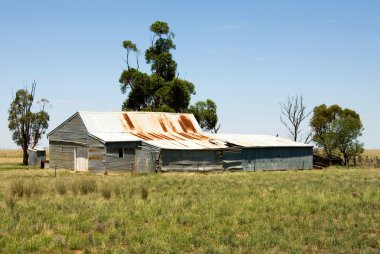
x=121, y=153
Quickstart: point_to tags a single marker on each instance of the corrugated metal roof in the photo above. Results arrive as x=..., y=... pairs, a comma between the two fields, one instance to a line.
x=155, y=122
x=163, y=130
x=247, y=140
x=168, y=131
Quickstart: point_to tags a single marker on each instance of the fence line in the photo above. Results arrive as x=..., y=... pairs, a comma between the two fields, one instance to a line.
x=365, y=162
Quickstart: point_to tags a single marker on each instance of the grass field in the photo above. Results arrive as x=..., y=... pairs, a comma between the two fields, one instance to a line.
x=327, y=211
x=10, y=156
x=333, y=210
x=372, y=153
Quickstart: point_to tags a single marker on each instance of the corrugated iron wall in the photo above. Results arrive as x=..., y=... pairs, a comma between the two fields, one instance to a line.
x=61, y=155
x=191, y=160
x=73, y=131
x=232, y=159
x=116, y=163
x=63, y=141
x=277, y=158
x=96, y=155
x=36, y=156
x=145, y=161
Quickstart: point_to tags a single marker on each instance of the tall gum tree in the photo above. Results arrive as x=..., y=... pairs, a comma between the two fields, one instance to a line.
x=162, y=90
x=27, y=127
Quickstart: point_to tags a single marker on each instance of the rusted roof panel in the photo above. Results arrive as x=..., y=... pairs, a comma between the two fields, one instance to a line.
x=247, y=140
x=163, y=130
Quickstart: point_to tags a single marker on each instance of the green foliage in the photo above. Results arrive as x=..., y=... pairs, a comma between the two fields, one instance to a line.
x=324, y=211
x=161, y=91
x=129, y=45
x=205, y=113
x=27, y=127
x=337, y=130
x=160, y=28
x=175, y=95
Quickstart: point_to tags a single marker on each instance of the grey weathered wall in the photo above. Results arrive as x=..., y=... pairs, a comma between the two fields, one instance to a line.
x=61, y=155
x=232, y=159
x=124, y=164
x=64, y=140
x=73, y=131
x=145, y=161
x=191, y=160
x=277, y=158
x=96, y=155
x=35, y=157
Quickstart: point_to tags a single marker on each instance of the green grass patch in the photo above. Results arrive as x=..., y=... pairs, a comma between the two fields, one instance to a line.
x=326, y=211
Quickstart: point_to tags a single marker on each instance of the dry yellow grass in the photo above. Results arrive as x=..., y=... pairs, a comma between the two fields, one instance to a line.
x=10, y=153
x=372, y=153
x=11, y=156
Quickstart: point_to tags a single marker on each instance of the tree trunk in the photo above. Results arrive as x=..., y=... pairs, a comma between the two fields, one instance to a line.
x=346, y=162
x=25, y=156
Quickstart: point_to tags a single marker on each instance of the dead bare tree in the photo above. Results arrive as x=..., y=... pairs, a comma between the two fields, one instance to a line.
x=293, y=113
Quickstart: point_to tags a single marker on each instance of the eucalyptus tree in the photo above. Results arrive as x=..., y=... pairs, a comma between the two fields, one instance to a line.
x=162, y=89
x=337, y=130
x=27, y=127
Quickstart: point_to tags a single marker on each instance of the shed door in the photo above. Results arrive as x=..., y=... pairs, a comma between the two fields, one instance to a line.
x=81, y=158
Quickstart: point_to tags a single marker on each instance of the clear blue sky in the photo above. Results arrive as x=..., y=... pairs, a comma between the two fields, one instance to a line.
x=245, y=55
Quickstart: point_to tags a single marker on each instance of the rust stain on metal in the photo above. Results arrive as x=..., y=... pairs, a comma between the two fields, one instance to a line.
x=96, y=158
x=129, y=122
x=163, y=125
x=172, y=126
x=186, y=124
x=193, y=136
x=161, y=136
x=177, y=136
x=142, y=136
x=182, y=125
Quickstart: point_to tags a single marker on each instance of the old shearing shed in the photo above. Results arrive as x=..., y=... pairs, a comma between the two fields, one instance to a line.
x=156, y=141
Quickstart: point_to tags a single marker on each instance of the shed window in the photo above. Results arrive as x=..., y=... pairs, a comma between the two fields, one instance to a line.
x=121, y=154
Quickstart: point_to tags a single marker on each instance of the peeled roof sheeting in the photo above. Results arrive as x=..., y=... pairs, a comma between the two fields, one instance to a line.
x=246, y=140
